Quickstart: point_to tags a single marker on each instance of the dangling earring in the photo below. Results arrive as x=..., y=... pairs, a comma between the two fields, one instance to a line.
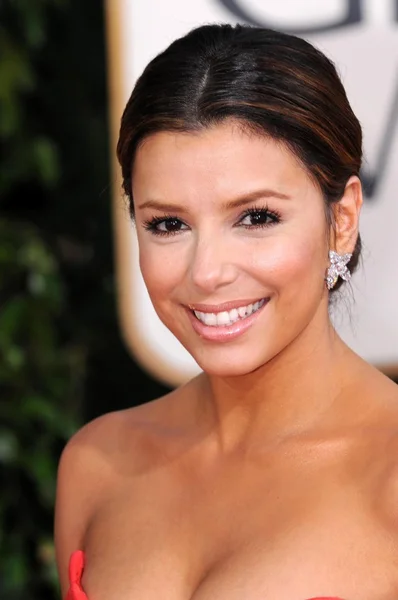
x=338, y=268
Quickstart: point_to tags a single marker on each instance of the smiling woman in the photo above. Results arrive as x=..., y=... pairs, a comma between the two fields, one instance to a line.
x=272, y=475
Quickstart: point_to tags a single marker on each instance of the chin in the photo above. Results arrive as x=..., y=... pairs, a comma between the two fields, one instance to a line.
x=235, y=358
x=221, y=363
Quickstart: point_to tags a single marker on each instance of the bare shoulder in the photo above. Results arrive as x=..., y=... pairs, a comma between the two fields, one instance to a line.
x=384, y=448
x=93, y=463
x=83, y=470
x=96, y=455
x=387, y=493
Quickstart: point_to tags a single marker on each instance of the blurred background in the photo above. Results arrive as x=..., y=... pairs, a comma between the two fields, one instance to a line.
x=62, y=357
x=62, y=360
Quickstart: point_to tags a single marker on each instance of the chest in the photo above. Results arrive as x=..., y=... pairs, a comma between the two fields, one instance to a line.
x=256, y=542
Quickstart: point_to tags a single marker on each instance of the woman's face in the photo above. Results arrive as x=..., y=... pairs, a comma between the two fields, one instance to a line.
x=233, y=244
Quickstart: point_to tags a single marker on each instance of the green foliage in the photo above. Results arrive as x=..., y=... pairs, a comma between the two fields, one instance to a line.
x=42, y=366
x=61, y=357
x=28, y=153
x=39, y=376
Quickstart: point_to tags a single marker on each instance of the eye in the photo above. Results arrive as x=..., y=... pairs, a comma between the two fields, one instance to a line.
x=165, y=226
x=259, y=217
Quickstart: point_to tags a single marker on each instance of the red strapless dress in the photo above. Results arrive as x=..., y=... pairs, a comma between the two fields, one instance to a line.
x=76, y=567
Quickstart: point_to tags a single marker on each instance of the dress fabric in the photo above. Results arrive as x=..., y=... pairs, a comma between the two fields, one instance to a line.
x=76, y=568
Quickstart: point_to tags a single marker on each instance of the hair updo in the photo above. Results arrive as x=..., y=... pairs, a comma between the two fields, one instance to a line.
x=276, y=84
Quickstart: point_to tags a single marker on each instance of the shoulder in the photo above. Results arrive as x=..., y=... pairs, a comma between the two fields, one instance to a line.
x=386, y=497
x=91, y=466
x=88, y=450
x=384, y=456
x=82, y=471
x=90, y=459
x=102, y=443
x=107, y=452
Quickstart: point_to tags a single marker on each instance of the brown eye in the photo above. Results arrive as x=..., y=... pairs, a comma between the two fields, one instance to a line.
x=165, y=226
x=170, y=225
x=259, y=218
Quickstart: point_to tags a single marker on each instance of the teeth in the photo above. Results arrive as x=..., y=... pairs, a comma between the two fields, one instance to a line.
x=225, y=318
x=234, y=315
x=209, y=319
x=242, y=311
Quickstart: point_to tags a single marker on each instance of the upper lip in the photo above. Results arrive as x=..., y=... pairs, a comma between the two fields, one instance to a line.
x=226, y=306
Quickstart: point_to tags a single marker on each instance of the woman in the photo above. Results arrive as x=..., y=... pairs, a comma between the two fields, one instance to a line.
x=273, y=474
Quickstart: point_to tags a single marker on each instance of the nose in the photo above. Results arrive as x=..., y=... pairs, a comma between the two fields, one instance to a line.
x=212, y=265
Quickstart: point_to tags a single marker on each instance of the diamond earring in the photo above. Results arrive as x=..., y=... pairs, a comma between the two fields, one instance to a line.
x=338, y=268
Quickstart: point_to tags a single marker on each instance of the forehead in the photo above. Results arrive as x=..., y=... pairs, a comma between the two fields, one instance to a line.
x=220, y=160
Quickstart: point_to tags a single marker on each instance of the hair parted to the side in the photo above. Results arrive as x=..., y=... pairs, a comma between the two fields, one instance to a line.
x=275, y=84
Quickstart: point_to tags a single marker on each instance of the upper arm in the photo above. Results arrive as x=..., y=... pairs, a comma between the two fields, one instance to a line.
x=71, y=513
x=82, y=475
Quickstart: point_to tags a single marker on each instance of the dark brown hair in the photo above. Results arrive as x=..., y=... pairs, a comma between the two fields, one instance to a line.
x=276, y=84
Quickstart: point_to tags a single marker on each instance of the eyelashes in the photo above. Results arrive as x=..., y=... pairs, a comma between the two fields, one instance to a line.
x=171, y=225
x=261, y=217
x=255, y=217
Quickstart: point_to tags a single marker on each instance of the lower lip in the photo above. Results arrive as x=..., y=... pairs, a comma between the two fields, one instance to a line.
x=225, y=333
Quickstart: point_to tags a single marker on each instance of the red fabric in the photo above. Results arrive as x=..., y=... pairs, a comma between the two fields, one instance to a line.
x=76, y=567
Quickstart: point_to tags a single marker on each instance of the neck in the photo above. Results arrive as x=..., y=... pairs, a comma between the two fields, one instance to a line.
x=296, y=391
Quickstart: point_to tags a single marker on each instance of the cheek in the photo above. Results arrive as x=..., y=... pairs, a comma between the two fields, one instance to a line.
x=292, y=262
x=162, y=268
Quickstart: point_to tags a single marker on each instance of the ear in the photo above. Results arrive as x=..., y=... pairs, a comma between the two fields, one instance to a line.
x=346, y=217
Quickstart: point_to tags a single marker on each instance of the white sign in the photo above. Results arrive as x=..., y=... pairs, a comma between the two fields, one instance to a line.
x=361, y=37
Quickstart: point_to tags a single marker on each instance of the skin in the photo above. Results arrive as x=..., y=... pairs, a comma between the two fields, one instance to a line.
x=273, y=474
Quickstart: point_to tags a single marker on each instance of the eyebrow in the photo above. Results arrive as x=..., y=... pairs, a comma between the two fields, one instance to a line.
x=231, y=204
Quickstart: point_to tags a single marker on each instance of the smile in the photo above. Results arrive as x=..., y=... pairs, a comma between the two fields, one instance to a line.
x=227, y=318
x=225, y=322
